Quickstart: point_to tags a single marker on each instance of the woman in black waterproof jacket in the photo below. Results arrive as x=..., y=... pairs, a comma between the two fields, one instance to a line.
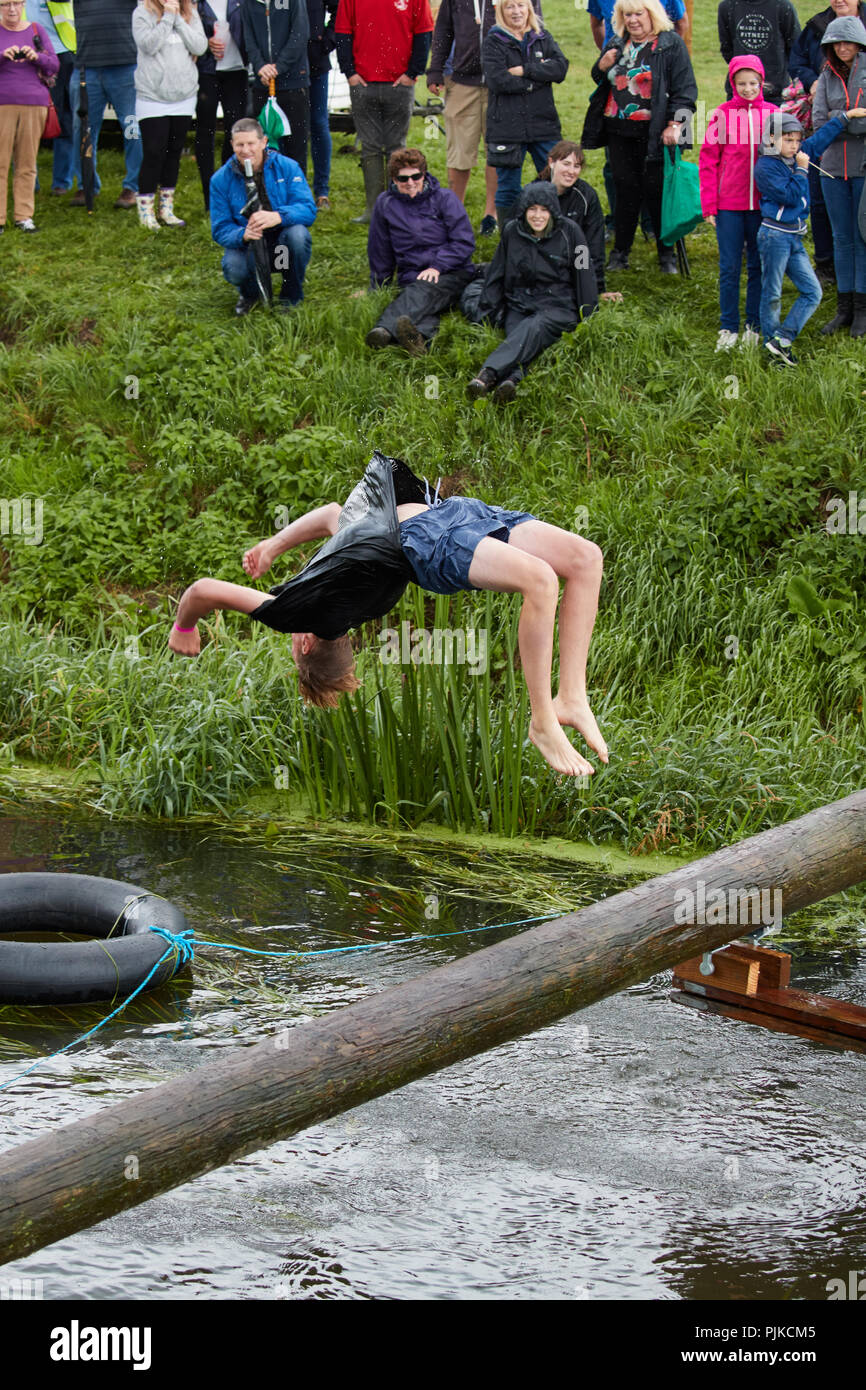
x=540, y=284
x=642, y=104
x=276, y=33
x=521, y=62
x=222, y=81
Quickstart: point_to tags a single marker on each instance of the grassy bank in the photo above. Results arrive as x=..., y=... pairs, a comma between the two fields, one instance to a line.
x=163, y=438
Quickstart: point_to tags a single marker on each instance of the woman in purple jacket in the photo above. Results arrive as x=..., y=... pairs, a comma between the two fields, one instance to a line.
x=26, y=61
x=422, y=232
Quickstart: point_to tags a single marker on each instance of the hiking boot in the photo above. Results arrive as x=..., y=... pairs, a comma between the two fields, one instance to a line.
x=166, y=209
x=726, y=340
x=126, y=201
x=481, y=384
x=323, y=203
x=243, y=306
x=858, y=322
x=781, y=350
x=844, y=312
x=379, y=338
x=409, y=337
x=617, y=260
x=667, y=260
x=78, y=199
x=146, y=215
x=26, y=225
x=506, y=390
x=488, y=226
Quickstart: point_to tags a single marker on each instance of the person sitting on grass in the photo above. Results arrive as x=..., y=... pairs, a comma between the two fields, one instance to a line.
x=782, y=179
x=422, y=232
x=390, y=532
x=287, y=212
x=539, y=285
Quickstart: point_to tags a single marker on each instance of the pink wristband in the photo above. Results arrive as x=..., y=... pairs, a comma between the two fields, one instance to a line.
x=183, y=629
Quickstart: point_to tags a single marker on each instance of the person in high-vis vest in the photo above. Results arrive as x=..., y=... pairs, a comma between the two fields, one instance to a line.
x=58, y=21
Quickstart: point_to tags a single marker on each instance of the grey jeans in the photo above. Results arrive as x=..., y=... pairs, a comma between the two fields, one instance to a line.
x=382, y=114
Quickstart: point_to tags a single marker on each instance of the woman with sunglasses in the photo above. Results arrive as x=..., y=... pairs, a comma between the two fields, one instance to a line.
x=421, y=232
x=27, y=60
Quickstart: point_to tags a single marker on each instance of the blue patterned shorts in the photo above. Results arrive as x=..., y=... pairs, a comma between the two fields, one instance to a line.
x=439, y=543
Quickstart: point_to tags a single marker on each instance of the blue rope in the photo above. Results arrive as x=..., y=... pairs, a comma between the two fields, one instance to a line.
x=182, y=947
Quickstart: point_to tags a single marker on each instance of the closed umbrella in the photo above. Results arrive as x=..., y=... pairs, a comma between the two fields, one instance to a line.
x=261, y=253
x=273, y=119
x=88, y=174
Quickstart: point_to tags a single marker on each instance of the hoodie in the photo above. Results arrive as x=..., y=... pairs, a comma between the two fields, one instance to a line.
x=529, y=273
x=846, y=156
x=730, y=149
x=784, y=186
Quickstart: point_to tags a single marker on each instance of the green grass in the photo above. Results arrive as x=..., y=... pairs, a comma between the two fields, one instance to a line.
x=165, y=437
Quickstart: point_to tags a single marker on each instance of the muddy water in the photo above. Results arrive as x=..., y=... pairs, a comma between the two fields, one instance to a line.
x=636, y=1150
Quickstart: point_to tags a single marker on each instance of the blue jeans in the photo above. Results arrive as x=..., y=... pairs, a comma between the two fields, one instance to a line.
x=733, y=229
x=783, y=252
x=113, y=86
x=508, y=180
x=842, y=197
x=238, y=268
x=320, y=135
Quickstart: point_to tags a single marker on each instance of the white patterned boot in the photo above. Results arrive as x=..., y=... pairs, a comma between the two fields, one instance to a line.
x=166, y=209
x=146, y=215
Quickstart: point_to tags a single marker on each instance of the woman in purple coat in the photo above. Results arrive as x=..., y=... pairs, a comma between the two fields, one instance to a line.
x=27, y=60
x=422, y=232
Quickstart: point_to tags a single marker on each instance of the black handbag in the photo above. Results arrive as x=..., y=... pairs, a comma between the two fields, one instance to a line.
x=505, y=156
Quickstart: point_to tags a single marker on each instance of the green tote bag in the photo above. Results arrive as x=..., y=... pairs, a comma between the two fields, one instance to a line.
x=681, y=197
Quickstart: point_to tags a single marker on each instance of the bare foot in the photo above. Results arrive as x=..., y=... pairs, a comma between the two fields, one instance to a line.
x=184, y=643
x=553, y=746
x=578, y=715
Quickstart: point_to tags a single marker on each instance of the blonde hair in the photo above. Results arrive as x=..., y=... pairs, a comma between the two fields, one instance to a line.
x=157, y=7
x=654, y=8
x=532, y=21
x=326, y=672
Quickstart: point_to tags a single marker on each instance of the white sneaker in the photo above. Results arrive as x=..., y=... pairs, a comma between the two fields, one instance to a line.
x=27, y=225
x=725, y=340
x=751, y=338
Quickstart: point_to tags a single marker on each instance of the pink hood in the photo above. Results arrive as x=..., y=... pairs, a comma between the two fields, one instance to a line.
x=728, y=154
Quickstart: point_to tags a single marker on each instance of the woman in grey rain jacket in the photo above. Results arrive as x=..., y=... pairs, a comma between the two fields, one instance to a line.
x=841, y=86
x=169, y=37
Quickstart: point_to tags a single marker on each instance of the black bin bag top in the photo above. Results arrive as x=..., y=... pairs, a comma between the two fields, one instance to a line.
x=361, y=572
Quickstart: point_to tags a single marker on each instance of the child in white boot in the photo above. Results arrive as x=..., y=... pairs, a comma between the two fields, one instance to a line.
x=169, y=37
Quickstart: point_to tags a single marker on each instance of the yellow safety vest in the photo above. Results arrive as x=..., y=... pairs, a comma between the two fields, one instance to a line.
x=64, y=21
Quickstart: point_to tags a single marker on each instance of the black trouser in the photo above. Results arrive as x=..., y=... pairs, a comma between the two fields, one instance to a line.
x=296, y=104
x=162, y=139
x=528, y=333
x=230, y=89
x=423, y=301
x=637, y=180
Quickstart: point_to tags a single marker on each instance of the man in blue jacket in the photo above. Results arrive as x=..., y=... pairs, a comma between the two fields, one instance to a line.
x=422, y=231
x=287, y=212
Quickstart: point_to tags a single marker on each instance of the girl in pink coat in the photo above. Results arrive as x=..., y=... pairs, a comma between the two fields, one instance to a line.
x=730, y=199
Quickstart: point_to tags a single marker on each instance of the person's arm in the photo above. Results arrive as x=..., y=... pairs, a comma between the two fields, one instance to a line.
x=608, y=57
x=227, y=230
x=255, y=53
x=682, y=87
x=149, y=32
x=726, y=33
x=551, y=68
x=492, y=300
x=789, y=27
x=596, y=23
x=193, y=35
x=708, y=164
x=380, y=250
x=292, y=198
x=418, y=57
x=593, y=230
x=815, y=146
x=291, y=58
x=313, y=526
x=820, y=104
x=495, y=62
x=443, y=38
x=799, y=61
x=460, y=246
x=344, y=26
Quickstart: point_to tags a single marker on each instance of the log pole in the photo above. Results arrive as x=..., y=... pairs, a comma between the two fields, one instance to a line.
x=119, y=1157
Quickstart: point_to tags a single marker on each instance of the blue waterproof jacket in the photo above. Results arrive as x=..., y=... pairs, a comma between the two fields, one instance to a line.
x=785, y=191
x=285, y=185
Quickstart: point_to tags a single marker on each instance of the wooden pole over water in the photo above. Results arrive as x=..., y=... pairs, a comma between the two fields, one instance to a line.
x=77, y=1176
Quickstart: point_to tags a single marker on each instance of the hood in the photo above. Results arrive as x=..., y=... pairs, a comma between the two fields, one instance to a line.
x=541, y=192
x=848, y=29
x=746, y=60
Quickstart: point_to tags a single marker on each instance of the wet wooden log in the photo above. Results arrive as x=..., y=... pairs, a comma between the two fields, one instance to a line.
x=129, y=1152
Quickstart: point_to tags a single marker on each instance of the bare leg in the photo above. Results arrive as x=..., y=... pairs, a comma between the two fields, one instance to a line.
x=200, y=599
x=458, y=181
x=507, y=570
x=579, y=563
x=489, y=191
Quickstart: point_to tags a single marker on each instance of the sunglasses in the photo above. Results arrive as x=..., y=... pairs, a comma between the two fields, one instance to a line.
x=408, y=178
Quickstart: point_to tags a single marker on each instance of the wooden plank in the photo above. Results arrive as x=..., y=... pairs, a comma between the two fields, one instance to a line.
x=76, y=1175
x=777, y=1025
x=797, y=1005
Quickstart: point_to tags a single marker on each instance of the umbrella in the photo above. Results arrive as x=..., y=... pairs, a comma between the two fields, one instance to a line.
x=261, y=253
x=88, y=176
x=273, y=119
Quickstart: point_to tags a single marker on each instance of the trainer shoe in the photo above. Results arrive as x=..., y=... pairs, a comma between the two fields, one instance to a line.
x=725, y=340
x=243, y=306
x=409, y=337
x=379, y=338
x=488, y=226
x=27, y=225
x=781, y=349
x=481, y=384
x=751, y=338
